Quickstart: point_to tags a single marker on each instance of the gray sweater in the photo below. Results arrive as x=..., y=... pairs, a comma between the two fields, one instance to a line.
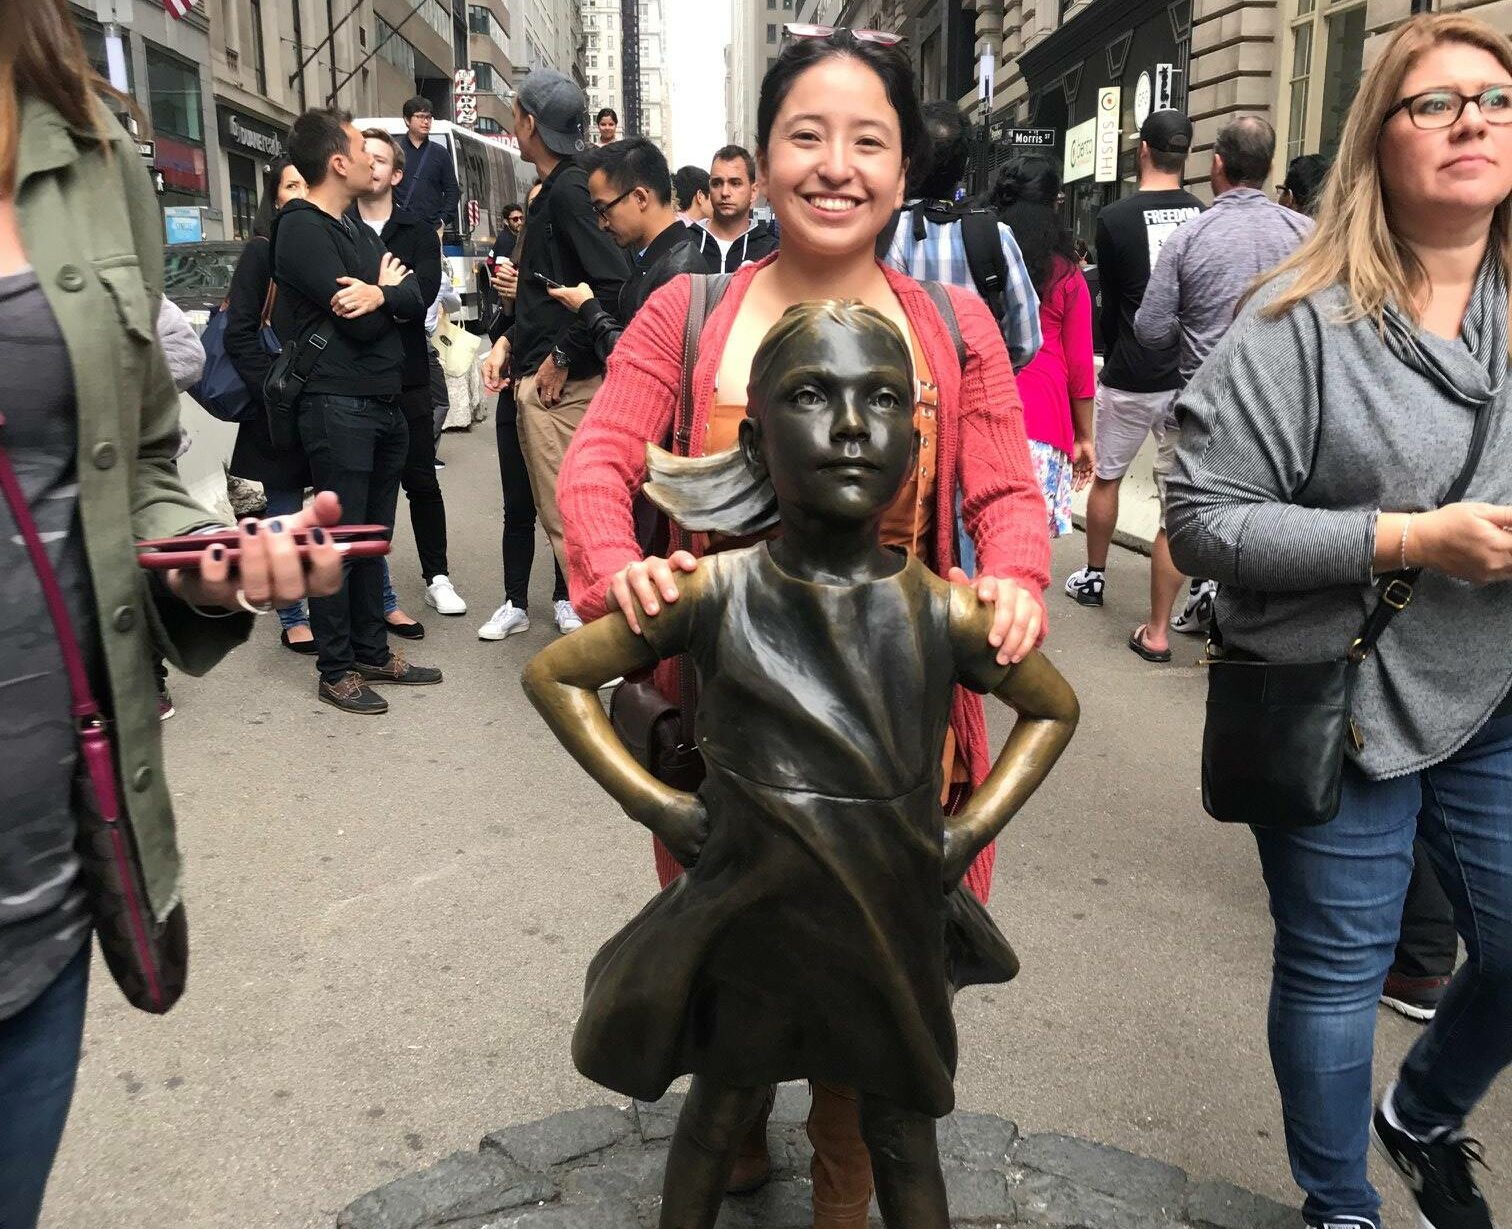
x=1205, y=268
x=1294, y=433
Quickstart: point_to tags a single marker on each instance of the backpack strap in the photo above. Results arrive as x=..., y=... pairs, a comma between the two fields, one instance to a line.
x=984, y=255
x=940, y=297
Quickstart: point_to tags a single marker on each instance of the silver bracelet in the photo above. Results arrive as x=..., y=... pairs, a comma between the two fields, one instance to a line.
x=1406, y=527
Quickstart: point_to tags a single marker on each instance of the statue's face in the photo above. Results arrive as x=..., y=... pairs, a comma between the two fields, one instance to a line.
x=837, y=423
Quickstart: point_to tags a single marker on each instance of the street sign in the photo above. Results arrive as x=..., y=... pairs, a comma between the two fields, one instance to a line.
x=465, y=97
x=1081, y=144
x=1164, y=90
x=148, y=149
x=1038, y=137
x=1142, y=100
x=1106, y=159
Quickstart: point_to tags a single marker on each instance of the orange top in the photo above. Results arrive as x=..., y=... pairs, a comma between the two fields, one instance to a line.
x=909, y=523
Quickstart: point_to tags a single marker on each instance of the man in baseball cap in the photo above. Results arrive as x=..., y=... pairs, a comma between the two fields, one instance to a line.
x=1168, y=131
x=557, y=109
x=548, y=352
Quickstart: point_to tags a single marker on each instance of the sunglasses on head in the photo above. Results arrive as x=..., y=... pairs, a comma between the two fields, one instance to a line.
x=882, y=38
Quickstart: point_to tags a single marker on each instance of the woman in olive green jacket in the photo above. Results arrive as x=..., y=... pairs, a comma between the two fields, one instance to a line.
x=89, y=421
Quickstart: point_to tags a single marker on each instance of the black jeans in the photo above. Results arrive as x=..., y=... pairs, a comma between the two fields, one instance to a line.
x=1429, y=942
x=519, y=512
x=421, y=487
x=356, y=447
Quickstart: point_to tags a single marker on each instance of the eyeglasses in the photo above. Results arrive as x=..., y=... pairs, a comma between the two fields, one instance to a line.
x=1438, y=109
x=602, y=209
x=796, y=29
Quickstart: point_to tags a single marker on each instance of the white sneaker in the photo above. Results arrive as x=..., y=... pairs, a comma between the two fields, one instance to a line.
x=566, y=617
x=442, y=594
x=505, y=621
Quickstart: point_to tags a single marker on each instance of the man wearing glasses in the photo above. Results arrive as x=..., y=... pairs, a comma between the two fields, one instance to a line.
x=631, y=187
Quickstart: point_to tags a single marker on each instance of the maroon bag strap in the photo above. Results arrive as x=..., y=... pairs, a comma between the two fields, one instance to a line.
x=84, y=705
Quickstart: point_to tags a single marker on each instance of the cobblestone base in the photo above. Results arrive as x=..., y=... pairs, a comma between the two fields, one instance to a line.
x=601, y=1168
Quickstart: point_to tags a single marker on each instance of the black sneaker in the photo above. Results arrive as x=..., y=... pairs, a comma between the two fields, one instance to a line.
x=1417, y=998
x=351, y=695
x=1438, y=1174
x=1085, y=587
x=397, y=670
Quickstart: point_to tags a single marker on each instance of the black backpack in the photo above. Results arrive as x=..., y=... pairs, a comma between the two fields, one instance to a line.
x=979, y=233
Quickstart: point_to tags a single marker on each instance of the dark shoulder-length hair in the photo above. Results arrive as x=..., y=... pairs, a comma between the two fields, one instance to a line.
x=41, y=55
x=1023, y=197
x=262, y=221
x=889, y=63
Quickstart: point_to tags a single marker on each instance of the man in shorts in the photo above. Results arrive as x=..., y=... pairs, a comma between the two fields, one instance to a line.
x=1138, y=384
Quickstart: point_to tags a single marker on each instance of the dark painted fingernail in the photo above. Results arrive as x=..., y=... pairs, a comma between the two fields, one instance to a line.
x=251, y=528
x=318, y=536
x=275, y=526
x=217, y=552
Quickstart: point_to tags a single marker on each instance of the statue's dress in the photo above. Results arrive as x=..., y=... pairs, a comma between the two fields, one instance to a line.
x=814, y=938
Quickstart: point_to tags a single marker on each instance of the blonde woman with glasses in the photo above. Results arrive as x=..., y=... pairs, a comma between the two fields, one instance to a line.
x=1318, y=445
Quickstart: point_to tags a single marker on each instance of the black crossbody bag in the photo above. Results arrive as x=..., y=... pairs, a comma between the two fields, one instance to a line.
x=1274, y=740
x=285, y=381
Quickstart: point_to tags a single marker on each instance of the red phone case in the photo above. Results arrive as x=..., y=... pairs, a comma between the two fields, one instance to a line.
x=230, y=537
x=163, y=561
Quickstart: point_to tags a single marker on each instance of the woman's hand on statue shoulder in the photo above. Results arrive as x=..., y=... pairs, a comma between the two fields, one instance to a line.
x=650, y=583
x=1016, y=624
x=683, y=827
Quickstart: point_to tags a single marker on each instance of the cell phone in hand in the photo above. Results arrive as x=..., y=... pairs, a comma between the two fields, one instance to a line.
x=162, y=554
x=546, y=281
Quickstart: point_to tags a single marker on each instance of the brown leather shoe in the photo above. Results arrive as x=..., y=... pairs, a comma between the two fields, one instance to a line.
x=351, y=695
x=841, y=1170
x=397, y=670
x=753, y=1163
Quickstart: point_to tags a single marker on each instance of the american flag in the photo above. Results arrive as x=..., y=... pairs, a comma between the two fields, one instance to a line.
x=178, y=9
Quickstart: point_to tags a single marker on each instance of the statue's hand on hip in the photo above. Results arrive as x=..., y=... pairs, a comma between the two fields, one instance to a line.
x=683, y=827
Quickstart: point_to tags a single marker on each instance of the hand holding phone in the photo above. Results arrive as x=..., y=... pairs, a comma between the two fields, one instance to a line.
x=546, y=281
x=268, y=565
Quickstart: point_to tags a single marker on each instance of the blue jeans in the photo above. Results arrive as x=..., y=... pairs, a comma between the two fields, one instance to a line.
x=286, y=503
x=1336, y=895
x=39, y=1057
x=390, y=598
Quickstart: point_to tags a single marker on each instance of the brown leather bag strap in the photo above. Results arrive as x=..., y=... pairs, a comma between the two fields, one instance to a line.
x=268, y=301
x=704, y=294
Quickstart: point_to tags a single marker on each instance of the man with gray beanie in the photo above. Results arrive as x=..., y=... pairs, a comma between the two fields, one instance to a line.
x=548, y=351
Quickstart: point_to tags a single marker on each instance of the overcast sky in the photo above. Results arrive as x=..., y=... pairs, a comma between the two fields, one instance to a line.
x=697, y=31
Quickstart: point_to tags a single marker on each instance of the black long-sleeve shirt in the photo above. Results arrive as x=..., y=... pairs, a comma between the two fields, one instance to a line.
x=415, y=244
x=672, y=252
x=563, y=240
x=429, y=188
x=244, y=306
x=364, y=355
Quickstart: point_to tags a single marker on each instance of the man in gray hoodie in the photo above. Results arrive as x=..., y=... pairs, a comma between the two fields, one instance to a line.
x=732, y=237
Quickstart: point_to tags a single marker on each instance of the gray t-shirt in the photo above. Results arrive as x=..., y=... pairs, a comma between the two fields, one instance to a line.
x=44, y=919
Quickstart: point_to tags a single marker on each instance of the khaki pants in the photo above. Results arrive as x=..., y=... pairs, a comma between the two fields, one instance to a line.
x=544, y=437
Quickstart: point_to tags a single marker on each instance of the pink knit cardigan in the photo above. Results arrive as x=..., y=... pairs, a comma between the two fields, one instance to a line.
x=982, y=448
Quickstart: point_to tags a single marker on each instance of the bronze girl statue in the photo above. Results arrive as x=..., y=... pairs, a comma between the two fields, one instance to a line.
x=821, y=929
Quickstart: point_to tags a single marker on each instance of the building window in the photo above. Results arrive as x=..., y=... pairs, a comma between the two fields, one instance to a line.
x=771, y=33
x=1344, y=58
x=482, y=21
x=175, y=90
x=1327, y=58
x=259, y=62
x=489, y=126
x=486, y=81
x=393, y=48
x=1301, y=70
x=94, y=49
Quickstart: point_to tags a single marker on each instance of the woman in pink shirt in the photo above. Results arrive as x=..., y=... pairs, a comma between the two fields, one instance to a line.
x=1056, y=388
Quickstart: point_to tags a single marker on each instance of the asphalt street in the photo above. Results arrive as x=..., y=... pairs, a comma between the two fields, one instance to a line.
x=391, y=919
